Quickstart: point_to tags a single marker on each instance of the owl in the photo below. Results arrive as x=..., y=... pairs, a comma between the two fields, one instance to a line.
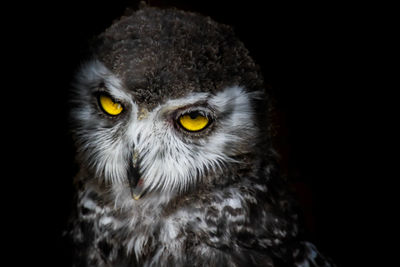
x=171, y=124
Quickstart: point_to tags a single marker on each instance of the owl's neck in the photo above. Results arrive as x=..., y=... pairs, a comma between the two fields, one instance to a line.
x=118, y=196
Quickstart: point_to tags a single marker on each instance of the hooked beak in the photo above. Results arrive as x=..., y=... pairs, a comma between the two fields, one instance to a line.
x=134, y=177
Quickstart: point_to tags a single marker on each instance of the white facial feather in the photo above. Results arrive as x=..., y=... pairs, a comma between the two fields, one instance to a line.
x=169, y=161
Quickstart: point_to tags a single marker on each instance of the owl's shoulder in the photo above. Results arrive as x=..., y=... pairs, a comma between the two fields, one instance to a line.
x=93, y=227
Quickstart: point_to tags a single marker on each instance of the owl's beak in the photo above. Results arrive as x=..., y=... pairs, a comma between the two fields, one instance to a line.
x=134, y=177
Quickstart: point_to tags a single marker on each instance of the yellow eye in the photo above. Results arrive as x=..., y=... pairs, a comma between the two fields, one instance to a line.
x=193, y=122
x=109, y=106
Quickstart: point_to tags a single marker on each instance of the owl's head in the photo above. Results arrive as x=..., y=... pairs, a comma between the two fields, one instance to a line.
x=168, y=100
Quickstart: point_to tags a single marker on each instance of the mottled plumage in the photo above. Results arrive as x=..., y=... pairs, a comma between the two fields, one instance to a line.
x=151, y=192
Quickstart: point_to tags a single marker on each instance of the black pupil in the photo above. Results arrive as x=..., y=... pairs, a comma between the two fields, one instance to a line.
x=193, y=115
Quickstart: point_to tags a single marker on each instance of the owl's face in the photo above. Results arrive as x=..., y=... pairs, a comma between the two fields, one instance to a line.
x=160, y=112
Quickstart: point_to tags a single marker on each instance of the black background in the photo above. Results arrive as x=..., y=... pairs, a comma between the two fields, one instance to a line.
x=310, y=55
